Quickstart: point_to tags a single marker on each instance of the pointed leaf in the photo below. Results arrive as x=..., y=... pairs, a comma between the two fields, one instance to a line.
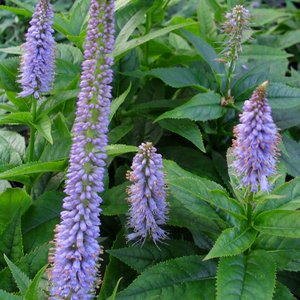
x=232, y=241
x=33, y=291
x=279, y=222
x=141, y=258
x=246, y=277
x=201, y=107
x=21, y=279
x=6, y=296
x=179, y=278
x=185, y=128
x=116, y=103
x=44, y=128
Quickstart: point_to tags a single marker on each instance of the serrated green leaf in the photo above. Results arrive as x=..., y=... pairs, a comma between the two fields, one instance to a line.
x=185, y=128
x=232, y=241
x=15, y=140
x=180, y=278
x=282, y=292
x=279, y=222
x=33, y=292
x=12, y=201
x=11, y=240
x=246, y=277
x=21, y=279
x=285, y=251
x=141, y=258
x=285, y=197
x=116, y=103
x=6, y=296
x=201, y=107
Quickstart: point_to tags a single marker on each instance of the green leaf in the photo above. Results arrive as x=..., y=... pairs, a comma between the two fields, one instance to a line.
x=246, y=277
x=33, y=168
x=78, y=15
x=232, y=241
x=119, y=149
x=265, y=53
x=201, y=107
x=116, y=103
x=8, y=72
x=282, y=96
x=282, y=292
x=133, y=43
x=6, y=296
x=11, y=239
x=130, y=26
x=264, y=16
x=285, y=197
x=15, y=141
x=285, y=251
x=279, y=222
x=16, y=118
x=180, y=278
x=39, y=221
x=30, y=264
x=12, y=201
x=207, y=52
x=292, y=158
x=208, y=26
x=187, y=129
x=178, y=77
x=119, y=132
x=15, y=10
x=44, y=128
x=21, y=279
x=115, y=200
x=141, y=258
x=33, y=292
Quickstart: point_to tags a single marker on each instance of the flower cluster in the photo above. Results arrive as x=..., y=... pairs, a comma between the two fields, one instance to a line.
x=256, y=144
x=237, y=21
x=37, y=63
x=76, y=251
x=147, y=195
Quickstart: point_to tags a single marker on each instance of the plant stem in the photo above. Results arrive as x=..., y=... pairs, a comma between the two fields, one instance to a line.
x=32, y=130
x=230, y=72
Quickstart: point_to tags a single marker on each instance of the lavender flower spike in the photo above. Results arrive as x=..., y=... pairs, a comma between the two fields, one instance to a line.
x=256, y=144
x=37, y=62
x=75, y=257
x=147, y=195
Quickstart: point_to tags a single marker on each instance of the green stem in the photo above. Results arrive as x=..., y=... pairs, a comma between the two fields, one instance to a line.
x=32, y=130
x=230, y=72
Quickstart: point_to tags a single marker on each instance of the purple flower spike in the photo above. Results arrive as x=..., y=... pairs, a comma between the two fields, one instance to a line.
x=256, y=144
x=147, y=195
x=37, y=63
x=75, y=257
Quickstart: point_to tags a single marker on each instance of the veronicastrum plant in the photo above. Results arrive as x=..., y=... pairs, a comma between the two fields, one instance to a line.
x=119, y=178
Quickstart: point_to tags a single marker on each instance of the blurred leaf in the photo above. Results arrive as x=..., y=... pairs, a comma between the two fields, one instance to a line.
x=201, y=107
x=265, y=53
x=116, y=103
x=185, y=128
x=292, y=160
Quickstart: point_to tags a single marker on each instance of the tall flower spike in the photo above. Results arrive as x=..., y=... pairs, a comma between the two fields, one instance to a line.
x=147, y=196
x=76, y=250
x=37, y=62
x=237, y=21
x=256, y=144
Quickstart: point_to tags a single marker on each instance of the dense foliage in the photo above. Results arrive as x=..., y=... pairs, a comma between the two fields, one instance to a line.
x=181, y=74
